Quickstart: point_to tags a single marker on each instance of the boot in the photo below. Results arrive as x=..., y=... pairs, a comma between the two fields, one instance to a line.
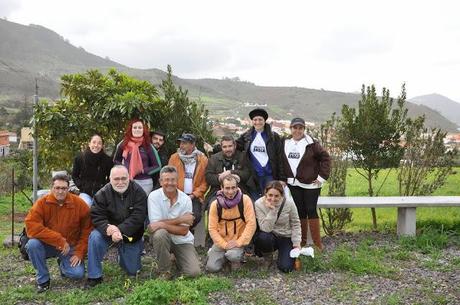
x=304, y=229
x=315, y=233
x=267, y=260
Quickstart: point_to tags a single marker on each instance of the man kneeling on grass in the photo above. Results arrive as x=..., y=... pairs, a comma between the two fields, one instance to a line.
x=58, y=225
x=170, y=216
x=118, y=214
x=232, y=224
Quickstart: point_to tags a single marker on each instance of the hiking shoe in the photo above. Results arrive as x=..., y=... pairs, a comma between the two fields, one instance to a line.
x=43, y=287
x=90, y=283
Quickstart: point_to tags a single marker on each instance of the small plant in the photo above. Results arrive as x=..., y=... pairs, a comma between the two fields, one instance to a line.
x=180, y=291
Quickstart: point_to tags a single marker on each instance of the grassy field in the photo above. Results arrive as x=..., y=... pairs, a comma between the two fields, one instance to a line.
x=358, y=267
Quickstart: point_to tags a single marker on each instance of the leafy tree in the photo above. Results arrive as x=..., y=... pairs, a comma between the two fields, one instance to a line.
x=104, y=103
x=427, y=163
x=182, y=115
x=371, y=134
x=334, y=220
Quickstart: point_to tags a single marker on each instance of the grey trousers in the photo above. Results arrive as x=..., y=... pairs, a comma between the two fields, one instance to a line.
x=217, y=257
x=186, y=257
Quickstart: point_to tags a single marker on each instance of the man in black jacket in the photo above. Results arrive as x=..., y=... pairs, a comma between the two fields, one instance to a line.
x=118, y=215
x=227, y=161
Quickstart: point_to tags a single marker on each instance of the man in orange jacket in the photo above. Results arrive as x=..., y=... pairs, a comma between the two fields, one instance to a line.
x=58, y=225
x=191, y=168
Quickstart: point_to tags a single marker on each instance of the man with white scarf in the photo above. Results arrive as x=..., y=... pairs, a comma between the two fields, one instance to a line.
x=191, y=168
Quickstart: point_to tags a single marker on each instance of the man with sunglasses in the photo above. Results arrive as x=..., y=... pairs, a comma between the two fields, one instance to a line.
x=118, y=215
x=58, y=225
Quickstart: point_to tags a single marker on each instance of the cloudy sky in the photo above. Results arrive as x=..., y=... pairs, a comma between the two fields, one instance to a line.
x=334, y=45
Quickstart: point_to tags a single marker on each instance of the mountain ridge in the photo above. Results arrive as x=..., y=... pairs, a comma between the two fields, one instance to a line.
x=35, y=52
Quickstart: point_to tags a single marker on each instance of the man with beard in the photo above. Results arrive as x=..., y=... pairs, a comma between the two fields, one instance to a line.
x=118, y=214
x=227, y=161
x=232, y=224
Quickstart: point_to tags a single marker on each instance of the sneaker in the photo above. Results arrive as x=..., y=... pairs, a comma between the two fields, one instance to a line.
x=90, y=283
x=43, y=287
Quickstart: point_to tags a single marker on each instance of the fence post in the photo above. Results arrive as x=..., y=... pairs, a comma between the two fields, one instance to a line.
x=12, y=206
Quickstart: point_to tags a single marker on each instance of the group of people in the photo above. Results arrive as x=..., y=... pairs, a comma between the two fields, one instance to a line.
x=259, y=189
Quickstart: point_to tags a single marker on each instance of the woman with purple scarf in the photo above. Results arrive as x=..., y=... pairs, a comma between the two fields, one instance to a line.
x=232, y=224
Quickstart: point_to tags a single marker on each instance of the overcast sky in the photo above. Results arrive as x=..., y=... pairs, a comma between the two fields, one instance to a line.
x=334, y=45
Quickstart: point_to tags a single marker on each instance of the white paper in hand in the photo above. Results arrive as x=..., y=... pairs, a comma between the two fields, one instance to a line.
x=294, y=253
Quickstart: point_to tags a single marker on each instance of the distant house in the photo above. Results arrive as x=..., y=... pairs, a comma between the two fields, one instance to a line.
x=27, y=141
x=4, y=143
x=13, y=137
x=452, y=140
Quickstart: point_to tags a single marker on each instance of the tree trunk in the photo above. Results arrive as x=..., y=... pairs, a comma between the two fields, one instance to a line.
x=371, y=194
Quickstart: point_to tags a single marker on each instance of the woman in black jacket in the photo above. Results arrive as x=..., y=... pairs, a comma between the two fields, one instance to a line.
x=91, y=169
x=263, y=148
x=307, y=165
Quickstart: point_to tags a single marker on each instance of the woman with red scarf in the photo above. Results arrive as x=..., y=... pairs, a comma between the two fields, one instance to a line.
x=138, y=155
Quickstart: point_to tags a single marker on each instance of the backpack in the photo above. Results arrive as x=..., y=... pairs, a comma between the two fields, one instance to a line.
x=240, y=209
x=23, y=239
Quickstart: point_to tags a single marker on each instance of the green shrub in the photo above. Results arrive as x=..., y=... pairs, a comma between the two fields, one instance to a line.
x=181, y=291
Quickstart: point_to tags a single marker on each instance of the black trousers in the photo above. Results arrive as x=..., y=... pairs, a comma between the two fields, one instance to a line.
x=268, y=242
x=306, y=201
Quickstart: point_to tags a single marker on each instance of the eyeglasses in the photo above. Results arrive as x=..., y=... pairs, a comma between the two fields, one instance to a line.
x=120, y=179
x=60, y=188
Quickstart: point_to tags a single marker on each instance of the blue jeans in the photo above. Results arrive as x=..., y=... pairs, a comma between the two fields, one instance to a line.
x=87, y=198
x=38, y=253
x=261, y=183
x=268, y=242
x=129, y=254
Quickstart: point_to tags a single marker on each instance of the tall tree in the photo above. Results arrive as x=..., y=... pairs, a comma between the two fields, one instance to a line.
x=104, y=103
x=182, y=114
x=371, y=134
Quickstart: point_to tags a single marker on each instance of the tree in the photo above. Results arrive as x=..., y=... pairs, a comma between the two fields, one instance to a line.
x=427, y=163
x=183, y=115
x=104, y=103
x=371, y=134
x=334, y=220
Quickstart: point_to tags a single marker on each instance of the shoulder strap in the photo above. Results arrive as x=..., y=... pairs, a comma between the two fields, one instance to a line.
x=280, y=210
x=241, y=209
x=219, y=211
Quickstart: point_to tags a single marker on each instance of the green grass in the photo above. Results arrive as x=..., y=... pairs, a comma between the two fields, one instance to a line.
x=438, y=229
x=179, y=291
x=358, y=185
x=363, y=259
